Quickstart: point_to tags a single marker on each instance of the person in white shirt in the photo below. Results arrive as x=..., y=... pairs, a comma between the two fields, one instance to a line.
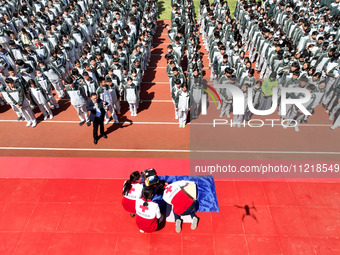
x=40, y=98
x=183, y=106
x=131, y=96
x=132, y=190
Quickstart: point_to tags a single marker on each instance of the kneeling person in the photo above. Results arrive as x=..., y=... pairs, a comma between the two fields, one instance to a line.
x=181, y=202
x=148, y=213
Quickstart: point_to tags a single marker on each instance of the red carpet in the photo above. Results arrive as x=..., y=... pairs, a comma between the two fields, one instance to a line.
x=70, y=216
x=88, y=168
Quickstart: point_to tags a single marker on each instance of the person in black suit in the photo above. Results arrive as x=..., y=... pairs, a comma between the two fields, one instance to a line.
x=96, y=107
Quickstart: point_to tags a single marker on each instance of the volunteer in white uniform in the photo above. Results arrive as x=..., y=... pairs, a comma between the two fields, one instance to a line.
x=182, y=203
x=132, y=190
x=148, y=213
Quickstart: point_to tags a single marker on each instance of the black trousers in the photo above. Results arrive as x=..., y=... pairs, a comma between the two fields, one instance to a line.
x=98, y=121
x=191, y=210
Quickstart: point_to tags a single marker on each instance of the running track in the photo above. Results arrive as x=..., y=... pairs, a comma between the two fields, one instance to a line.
x=155, y=134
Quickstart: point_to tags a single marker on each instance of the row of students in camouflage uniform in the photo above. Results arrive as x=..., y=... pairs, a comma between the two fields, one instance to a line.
x=88, y=42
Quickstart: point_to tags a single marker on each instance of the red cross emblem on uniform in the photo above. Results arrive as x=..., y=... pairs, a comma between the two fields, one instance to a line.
x=168, y=189
x=144, y=208
x=132, y=189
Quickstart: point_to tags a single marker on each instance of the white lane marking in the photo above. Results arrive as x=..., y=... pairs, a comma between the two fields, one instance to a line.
x=169, y=150
x=91, y=149
x=165, y=123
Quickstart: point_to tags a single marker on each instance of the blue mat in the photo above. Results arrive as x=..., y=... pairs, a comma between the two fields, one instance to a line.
x=206, y=192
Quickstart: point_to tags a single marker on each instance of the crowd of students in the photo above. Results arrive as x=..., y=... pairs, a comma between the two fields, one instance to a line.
x=186, y=89
x=138, y=200
x=76, y=47
x=292, y=43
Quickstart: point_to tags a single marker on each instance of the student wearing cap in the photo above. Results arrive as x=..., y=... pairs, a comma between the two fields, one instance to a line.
x=78, y=99
x=16, y=96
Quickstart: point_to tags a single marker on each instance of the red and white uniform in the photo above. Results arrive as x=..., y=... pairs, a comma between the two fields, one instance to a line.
x=174, y=195
x=129, y=200
x=147, y=216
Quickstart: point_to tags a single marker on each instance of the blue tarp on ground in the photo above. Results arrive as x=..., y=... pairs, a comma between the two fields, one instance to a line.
x=206, y=192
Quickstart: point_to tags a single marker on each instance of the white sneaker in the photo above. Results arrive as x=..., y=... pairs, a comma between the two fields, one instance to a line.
x=34, y=124
x=141, y=231
x=332, y=127
x=106, y=122
x=221, y=115
x=176, y=117
x=28, y=124
x=228, y=115
x=194, y=223
x=57, y=106
x=132, y=114
x=178, y=226
x=135, y=114
x=51, y=117
x=297, y=129
x=52, y=107
x=45, y=117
